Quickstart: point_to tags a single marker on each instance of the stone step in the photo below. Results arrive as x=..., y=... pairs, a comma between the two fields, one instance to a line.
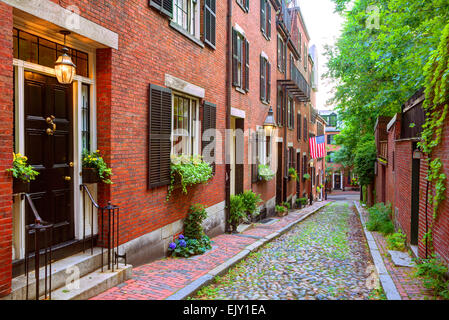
x=94, y=283
x=84, y=263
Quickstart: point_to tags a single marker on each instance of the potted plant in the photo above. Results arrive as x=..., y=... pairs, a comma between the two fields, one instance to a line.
x=293, y=174
x=281, y=210
x=95, y=168
x=237, y=212
x=187, y=171
x=265, y=172
x=306, y=176
x=298, y=203
x=251, y=201
x=22, y=173
x=303, y=201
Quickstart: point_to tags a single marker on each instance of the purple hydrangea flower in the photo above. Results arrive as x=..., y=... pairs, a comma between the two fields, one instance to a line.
x=182, y=243
x=181, y=237
x=172, y=245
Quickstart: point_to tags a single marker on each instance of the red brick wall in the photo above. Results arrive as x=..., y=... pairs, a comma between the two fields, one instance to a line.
x=403, y=185
x=441, y=228
x=6, y=146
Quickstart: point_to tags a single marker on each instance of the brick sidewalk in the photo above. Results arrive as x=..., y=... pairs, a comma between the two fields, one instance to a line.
x=162, y=278
x=409, y=287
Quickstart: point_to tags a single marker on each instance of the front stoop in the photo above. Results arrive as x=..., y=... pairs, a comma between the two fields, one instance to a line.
x=94, y=283
x=84, y=265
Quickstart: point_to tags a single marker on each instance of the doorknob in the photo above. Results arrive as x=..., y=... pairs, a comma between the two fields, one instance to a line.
x=67, y=178
x=71, y=164
x=49, y=120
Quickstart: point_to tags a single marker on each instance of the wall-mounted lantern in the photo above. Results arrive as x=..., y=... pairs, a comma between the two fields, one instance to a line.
x=269, y=124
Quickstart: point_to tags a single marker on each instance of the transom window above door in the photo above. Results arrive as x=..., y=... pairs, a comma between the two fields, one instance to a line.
x=34, y=49
x=185, y=125
x=186, y=15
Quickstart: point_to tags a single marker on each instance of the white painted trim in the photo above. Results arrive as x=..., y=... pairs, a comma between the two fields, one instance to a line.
x=239, y=29
x=264, y=55
x=238, y=113
x=70, y=20
x=279, y=139
x=290, y=145
x=392, y=121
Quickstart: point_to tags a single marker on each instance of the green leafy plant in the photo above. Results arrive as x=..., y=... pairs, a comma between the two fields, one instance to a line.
x=304, y=201
x=396, y=241
x=193, y=223
x=95, y=161
x=251, y=200
x=237, y=211
x=292, y=173
x=433, y=274
x=281, y=210
x=21, y=170
x=194, y=241
x=191, y=170
x=306, y=176
x=379, y=219
x=287, y=205
x=265, y=172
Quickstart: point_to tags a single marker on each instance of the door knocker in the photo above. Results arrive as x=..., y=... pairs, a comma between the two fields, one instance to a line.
x=49, y=120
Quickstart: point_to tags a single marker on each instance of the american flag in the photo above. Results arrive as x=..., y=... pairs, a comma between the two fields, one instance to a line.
x=317, y=147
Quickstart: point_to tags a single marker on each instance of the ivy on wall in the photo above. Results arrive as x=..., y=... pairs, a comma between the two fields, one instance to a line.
x=436, y=107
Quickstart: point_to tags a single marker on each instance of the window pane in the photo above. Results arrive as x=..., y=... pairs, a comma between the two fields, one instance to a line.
x=85, y=114
x=28, y=47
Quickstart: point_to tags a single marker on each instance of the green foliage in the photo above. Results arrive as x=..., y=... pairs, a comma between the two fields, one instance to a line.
x=94, y=160
x=21, y=170
x=379, y=219
x=191, y=170
x=433, y=273
x=281, y=209
x=292, y=173
x=306, y=176
x=396, y=241
x=237, y=210
x=265, y=172
x=364, y=160
x=193, y=223
x=185, y=247
x=251, y=201
x=377, y=70
x=304, y=201
x=287, y=205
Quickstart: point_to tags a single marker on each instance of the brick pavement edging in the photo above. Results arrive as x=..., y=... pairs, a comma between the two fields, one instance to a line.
x=208, y=278
x=387, y=282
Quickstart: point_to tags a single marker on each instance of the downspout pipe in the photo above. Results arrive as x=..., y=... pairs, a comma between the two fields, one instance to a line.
x=228, y=118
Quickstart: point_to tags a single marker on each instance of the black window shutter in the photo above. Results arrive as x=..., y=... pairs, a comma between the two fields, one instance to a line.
x=160, y=123
x=263, y=18
x=255, y=157
x=164, y=6
x=268, y=19
x=268, y=82
x=246, y=65
x=210, y=22
x=262, y=78
x=209, y=123
x=246, y=5
x=305, y=129
x=279, y=53
x=299, y=127
x=235, y=59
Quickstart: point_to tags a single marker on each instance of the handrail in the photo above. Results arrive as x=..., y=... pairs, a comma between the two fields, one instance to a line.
x=37, y=217
x=83, y=186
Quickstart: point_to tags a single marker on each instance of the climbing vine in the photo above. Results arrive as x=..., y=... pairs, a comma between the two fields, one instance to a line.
x=436, y=107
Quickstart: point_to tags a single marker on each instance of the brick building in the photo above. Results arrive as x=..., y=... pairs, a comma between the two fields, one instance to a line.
x=151, y=76
x=401, y=172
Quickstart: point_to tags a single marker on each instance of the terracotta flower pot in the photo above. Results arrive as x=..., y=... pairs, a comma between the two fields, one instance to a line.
x=90, y=175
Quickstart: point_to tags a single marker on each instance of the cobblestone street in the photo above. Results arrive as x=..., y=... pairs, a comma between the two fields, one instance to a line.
x=324, y=257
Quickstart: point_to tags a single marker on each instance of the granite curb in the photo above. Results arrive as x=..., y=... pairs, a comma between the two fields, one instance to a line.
x=387, y=282
x=208, y=278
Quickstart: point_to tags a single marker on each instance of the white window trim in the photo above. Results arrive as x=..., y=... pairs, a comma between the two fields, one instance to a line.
x=194, y=126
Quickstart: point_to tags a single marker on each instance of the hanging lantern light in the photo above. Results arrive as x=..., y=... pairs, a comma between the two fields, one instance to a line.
x=269, y=124
x=65, y=69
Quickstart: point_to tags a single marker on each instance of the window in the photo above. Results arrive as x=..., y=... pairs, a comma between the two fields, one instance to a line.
x=240, y=61
x=298, y=127
x=265, y=18
x=290, y=112
x=185, y=125
x=85, y=117
x=305, y=129
x=265, y=80
x=186, y=15
x=299, y=43
x=332, y=120
x=331, y=139
x=305, y=57
x=210, y=19
x=244, y=4
x=319, y=129
x=329, y=157
x=279, y=114
x=281, y=54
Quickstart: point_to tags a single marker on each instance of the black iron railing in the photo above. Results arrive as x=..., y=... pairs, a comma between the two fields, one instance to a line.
x=38, y=229
x=110, y=236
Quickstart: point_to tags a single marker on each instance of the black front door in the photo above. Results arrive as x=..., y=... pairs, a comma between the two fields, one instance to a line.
x=48, y=145
x=337, y=184
x=279, y=175
x=416, y=164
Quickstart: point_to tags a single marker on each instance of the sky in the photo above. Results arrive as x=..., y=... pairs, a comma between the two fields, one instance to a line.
x=324, y=27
